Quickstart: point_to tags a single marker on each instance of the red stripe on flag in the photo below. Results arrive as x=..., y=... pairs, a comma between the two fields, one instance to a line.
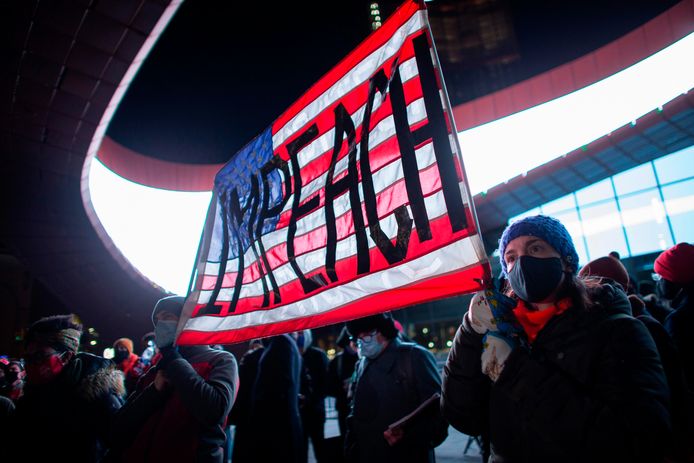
x=386, y=202
x=292, y=291
x=379, y=156
x=318, y=166
x=368, y=46
x=452, y=284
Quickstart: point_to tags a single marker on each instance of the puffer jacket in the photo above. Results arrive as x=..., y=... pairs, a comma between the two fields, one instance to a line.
x=69, y=419
x=590, y=388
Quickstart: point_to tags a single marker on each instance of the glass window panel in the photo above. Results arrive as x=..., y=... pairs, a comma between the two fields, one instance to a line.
x=573, y=226
x=595, y=193
x=564, y=203
x=645, y=222
x=636, y=179
x=679, y=204
x=676, y=166
x=603, y=229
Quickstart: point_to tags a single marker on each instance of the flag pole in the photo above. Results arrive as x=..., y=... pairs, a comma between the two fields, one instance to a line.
x=447, y=108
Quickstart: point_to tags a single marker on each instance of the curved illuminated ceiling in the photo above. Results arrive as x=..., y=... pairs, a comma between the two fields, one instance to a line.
x=503, y=136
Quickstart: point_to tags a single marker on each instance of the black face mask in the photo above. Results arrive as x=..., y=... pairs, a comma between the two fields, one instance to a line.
x=12, y=377
x=667, y=289
x=533, y=279
x=120, y=355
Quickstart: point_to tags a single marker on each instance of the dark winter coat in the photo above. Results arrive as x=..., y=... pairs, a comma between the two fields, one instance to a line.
x=679, y=324
x=185, y=422
x=591, y=388
x=340, y=370
x=241, y=412
x=275, y=419
x=680, y=397
x=316, y=368
x=69, y=419
x=388, y=388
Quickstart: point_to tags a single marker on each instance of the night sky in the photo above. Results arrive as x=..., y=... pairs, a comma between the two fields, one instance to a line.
x=217, y=77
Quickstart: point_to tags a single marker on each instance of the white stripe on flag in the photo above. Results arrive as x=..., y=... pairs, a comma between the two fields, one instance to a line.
x=382, y=179
x=313, y=260
x=324, y=142
x=454, y=256
x=356, y=76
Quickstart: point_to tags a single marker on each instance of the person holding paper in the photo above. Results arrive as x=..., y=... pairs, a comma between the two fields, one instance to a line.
x=393, y=379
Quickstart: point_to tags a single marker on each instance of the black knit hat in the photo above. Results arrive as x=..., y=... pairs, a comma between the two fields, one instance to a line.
x=172, y=304
x=381, y=322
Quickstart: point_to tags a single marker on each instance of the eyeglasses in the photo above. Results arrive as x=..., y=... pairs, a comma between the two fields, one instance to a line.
x=368, y=337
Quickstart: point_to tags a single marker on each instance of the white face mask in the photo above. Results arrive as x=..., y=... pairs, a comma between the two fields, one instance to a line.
x=165, y=332
x=369, y=347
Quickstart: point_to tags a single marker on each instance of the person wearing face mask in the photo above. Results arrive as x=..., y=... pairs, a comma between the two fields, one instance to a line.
x=392, y=379
x=555, y=369
x=14, y=380
x=675, y=266
x=69, y=399
x=127, y=362
x=179, y=409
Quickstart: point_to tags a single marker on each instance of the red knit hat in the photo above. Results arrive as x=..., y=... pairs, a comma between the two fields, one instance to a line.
x=676, y=264
x=125, y=342
x=606, y=267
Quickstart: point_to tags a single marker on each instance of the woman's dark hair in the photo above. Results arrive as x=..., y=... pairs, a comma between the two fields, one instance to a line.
x=53, y=324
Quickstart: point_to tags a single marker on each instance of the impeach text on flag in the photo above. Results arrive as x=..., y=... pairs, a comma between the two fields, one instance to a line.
x=353, y=202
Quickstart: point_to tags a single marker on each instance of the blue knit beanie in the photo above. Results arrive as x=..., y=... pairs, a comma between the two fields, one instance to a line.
x=547, y=228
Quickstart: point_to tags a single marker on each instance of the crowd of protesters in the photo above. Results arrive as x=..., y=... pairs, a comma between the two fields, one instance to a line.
x=552, y=362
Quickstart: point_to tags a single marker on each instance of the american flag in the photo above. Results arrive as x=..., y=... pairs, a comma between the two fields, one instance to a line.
x=353, y=202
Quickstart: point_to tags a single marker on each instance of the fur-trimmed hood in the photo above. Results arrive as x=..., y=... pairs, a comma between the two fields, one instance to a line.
x=94, y=377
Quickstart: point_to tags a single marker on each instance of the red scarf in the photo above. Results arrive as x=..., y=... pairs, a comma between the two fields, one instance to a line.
x=533, y=320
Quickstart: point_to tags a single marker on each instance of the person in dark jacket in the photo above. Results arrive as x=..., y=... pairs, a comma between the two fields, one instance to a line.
x=241, y=412
x=393, y=379
x=275, y=419
x=681, y=444
x=555, y=370
x=14, y=380
x=676, y=269
x=179, y=410
x=313, y=392
x=69, y=399
x=340, y=371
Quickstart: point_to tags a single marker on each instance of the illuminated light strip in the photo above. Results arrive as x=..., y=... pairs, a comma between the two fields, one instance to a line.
x=493, y=152
x=156, y=230
x=508, y=147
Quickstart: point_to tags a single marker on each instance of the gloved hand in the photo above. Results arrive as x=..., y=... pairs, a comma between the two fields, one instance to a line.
x=495, y=350
x=168, y=355
x=490, y=310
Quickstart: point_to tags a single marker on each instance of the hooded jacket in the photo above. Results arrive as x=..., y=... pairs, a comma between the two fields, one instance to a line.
x=69, y=418
x=591, y=388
